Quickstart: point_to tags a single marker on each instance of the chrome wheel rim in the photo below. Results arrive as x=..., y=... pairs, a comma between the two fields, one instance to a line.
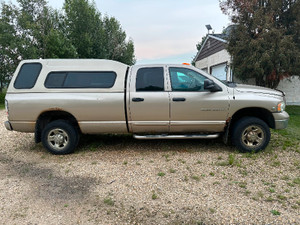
x=58, y=139
x=253, y=136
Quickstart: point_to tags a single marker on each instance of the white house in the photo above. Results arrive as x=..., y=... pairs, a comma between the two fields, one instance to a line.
x=214, y=59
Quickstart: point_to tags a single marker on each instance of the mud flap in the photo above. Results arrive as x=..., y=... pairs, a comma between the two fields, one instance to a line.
x=226, y=133
x=37, y=134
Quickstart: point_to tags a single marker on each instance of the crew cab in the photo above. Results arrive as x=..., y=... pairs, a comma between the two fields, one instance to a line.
x=59, y=99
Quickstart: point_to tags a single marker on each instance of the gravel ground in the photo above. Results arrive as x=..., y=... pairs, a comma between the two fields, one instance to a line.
x=119, y=180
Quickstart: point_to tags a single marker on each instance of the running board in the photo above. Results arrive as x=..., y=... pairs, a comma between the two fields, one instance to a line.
x=186, y=136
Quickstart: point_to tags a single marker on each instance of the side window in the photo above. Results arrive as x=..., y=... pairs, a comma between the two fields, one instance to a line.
x=150, y=79
x=183, y=79
x=80, y=80
x=28, y=75
x=55, y=80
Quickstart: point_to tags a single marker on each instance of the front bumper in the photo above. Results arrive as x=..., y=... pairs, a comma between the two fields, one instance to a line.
x=8, y=125
x=281, y=120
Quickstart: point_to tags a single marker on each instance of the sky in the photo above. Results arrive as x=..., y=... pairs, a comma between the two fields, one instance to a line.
x=163, y=31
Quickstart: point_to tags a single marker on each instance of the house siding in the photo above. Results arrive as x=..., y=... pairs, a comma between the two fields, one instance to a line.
x=291, y=88
x=215, y=59
x=211, y=47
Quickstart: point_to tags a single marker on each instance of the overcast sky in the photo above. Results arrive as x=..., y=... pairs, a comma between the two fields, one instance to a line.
x=163, y=30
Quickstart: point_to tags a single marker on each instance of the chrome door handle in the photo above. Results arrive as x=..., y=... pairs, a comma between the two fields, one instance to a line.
x=137, y=99
x=178, y=99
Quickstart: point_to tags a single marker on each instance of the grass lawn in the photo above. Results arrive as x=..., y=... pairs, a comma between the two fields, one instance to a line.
x=290, y=137
x=293, y=129
x=2, y=106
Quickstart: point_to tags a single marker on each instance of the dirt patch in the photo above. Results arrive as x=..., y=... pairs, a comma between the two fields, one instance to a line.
x=118, y=180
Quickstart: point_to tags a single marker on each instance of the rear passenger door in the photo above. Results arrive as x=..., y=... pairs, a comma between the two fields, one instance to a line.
x=148, y=102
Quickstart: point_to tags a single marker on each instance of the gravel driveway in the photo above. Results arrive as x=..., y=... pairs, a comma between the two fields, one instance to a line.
x=119, y=180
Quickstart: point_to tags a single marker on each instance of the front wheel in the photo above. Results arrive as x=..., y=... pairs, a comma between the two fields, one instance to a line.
x=60, y=137
x=250, y=134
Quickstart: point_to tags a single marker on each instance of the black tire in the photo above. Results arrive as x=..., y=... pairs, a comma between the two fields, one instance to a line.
x=250, y=134
x=60, y=137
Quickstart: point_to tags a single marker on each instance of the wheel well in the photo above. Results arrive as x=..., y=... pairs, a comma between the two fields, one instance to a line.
x=260, y=113
x=49, y=116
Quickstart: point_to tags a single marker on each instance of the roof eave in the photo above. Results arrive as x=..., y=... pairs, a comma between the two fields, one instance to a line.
x=208, y=36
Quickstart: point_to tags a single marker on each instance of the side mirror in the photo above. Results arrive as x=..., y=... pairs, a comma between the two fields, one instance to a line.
x=211, y=86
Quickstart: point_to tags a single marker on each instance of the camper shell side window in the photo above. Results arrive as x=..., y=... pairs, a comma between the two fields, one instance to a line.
x=80, y=79
x=28, y=75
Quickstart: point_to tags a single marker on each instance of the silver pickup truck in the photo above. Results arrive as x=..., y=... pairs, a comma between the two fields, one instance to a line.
x=59, y=99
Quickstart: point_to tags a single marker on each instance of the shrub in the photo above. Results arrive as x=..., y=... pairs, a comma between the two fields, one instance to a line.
x=2, y=97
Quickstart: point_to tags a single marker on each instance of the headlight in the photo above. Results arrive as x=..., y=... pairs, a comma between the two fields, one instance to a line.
x=280, y=107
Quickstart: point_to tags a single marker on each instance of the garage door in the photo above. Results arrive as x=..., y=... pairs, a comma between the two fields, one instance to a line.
x=219, y=71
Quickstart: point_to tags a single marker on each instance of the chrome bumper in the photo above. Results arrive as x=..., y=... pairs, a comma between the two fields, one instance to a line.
x=281, y=124
x=281, y=120
x=8, y=125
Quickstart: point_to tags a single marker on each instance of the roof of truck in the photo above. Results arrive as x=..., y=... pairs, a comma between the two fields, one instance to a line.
x=72, y=62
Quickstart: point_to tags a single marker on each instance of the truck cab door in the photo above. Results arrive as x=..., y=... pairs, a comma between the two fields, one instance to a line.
x=194, y=108
x=148, y=102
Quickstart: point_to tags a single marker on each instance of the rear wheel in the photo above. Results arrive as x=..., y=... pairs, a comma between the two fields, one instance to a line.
x=251, y=134
x=60, y=137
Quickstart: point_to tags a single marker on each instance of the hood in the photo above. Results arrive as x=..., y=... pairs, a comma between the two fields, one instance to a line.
x=257, y=89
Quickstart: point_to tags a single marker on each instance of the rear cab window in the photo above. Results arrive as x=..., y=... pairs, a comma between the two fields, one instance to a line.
x=75, y=79
x=28, y=75
x=150, y=79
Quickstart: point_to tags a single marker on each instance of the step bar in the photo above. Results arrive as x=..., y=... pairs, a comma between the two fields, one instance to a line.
x=176, y=136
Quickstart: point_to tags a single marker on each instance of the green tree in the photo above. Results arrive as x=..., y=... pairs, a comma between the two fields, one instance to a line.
x=94, y=36
x=57, y=44
x=9, y=42
x=84, y=28
x=41, y=30
x=32, y=30
x=115, y=45
x=264, y=44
